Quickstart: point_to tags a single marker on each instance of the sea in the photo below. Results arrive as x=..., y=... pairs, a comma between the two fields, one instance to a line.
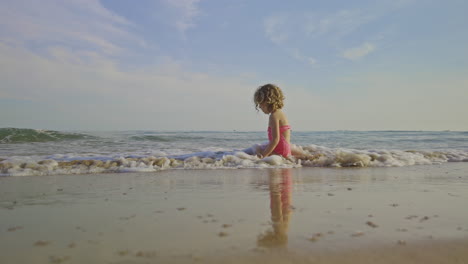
x=34, y=152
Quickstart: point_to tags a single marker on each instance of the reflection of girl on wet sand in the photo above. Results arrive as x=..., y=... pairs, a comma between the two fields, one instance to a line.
x=280, y=205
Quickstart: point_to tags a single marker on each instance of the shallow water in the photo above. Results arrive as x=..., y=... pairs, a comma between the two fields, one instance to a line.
x=40, y=152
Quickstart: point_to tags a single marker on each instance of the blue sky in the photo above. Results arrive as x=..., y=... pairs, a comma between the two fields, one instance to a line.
x=195, y=64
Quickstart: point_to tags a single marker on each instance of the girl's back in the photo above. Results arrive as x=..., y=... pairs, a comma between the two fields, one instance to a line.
x=283, y=122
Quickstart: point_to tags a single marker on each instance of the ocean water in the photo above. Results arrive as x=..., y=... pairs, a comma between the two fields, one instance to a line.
x=25, y=152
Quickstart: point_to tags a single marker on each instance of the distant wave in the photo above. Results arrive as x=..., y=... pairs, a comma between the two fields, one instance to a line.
x=26, y=135
x=312, y=156
x=163, y=138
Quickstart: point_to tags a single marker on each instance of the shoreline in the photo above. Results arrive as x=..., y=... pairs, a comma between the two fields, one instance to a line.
x=309, y=215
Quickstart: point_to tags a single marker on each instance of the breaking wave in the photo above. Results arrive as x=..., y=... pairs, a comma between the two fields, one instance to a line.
x=306, y=156
x=26, y=135
x=163, y=138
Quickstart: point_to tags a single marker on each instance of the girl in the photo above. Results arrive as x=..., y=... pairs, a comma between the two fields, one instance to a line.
x=269, y=98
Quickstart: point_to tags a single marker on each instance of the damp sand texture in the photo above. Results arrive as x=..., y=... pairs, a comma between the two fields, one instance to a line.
x=411, y=214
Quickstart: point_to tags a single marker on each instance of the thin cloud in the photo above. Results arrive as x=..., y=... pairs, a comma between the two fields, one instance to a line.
x=187, y=11
x=287, y=30
x=312, y=61
x=281, y=28
x=101, y=88
x=296, y=54
x=345, y=22
x=83, y=24
x=336, y=25
x=328, y=32
x=358, y=52
x=276, y=28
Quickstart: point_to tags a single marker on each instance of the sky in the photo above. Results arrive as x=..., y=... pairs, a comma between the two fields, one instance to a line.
x=195, y=64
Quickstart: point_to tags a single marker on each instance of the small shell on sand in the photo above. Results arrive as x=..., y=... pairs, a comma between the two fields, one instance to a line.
x=313, y=239
x=409, y=217
x=222, y=234
x=226, y=225
x=14, y=228
x=146, y=254
x=181, y=208
x=123, y=253
x=371, y=224
x=401, y=242
x=316, y=237
x=357, y=234
x=425, y=218
x=128, y=218
x=41, y=243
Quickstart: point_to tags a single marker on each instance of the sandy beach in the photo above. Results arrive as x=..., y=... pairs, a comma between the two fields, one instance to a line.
x=304, y=215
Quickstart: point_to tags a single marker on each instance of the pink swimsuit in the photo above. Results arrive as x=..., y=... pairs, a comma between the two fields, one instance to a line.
x=283, y=148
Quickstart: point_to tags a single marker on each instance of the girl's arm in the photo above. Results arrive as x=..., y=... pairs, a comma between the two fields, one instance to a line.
x=275, y=133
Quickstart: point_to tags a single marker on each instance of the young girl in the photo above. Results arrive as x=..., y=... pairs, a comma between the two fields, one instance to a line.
x=269, y=98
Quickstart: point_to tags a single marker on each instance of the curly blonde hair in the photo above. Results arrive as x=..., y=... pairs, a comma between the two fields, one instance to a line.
x=270, y=94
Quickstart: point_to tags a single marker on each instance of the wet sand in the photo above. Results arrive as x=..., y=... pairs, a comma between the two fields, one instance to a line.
x=305, y=215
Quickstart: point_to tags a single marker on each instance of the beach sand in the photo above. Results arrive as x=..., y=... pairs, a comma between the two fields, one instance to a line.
x=305, y=215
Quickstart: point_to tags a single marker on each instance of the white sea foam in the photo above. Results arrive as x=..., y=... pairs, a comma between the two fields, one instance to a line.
x=36, y=152
x=307, y=156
